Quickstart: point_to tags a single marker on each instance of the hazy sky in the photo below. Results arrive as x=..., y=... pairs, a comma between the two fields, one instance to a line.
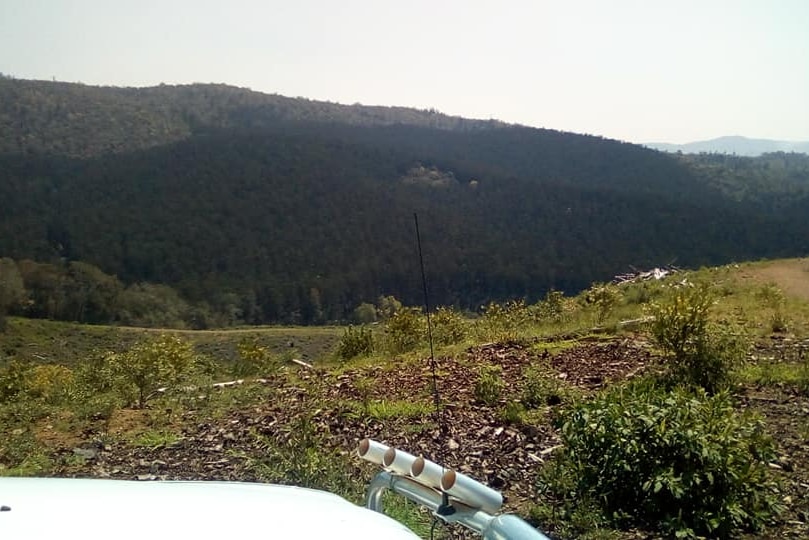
x=641, y=71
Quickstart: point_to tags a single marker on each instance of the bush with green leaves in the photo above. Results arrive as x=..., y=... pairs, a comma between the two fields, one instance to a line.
x=405, y=329
x=52, y=383
x=98, y=374
x=489, y=385
x=803, y=377
x=387, y=307
x=680, y=326
x=21, y=454
x=365, y=313
x=355, y=342
x=254, y=359
x=697, y=352
x=554, y=308
x=296, y=453
x=773, y=297
x=604, y=297
x=779, y=322
x=683, y=462
x=513, y=412
x=505, y=322
x=449, y=326
x=541, y=387
x=14, y=379
x=151, y=364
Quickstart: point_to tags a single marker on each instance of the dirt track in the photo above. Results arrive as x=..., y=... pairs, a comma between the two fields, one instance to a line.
x=790, y=275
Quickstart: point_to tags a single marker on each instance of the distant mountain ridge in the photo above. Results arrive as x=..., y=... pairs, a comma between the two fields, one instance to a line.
x=735, y=144
x=77, y=120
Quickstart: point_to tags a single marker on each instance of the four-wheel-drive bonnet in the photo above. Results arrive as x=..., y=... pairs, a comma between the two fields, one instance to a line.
x=84, y=509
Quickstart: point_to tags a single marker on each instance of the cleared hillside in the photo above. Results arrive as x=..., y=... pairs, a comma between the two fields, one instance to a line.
x=506, y=379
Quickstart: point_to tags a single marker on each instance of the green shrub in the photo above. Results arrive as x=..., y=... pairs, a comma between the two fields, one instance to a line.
x=365, y=387
x=22, y=455
x=779, y=322
x=355, y=342
x=680, y=325
x=697, y=352
x=365, y=313
x=489, y=385
x=296, y=454
x=682, y=462
x=153, y=363
x=771, y=295
x=254, y=359
x=154, y=439
x=541, y=387
x=553, y=308
x=604, y=297
x=584, y=521
x=505, y=322
x=405, y=329
x=803, y=371
x=13, y=379
x=94, y=406
x=513, y=413
x=795, y=362
x=449, y=326
x=387, y=307
x=53, y=383
x=97, y=373
x=22, y=412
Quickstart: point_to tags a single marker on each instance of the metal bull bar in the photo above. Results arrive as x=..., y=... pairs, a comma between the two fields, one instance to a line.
x=449, y=495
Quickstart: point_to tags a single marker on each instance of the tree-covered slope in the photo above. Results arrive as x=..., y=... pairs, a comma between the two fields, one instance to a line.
x=772, y=182
x=302, y=209
x=275, y=217
x=83, y=121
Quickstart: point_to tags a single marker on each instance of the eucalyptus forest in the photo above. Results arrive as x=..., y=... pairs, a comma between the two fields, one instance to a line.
x=207, y=206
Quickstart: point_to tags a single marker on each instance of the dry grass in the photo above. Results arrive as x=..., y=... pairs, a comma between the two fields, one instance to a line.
x=790, y=275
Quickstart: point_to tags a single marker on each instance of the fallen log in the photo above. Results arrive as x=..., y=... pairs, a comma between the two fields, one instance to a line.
x=303, y=364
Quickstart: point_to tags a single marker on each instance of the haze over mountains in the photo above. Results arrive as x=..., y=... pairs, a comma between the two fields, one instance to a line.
x=276, y=209
x=740, y=146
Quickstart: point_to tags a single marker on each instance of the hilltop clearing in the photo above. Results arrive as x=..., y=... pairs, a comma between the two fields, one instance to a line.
x=508, y=381
x=791, y=276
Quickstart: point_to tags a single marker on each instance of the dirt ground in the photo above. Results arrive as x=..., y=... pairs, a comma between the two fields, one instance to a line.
x=790, y=275
x=475, y=438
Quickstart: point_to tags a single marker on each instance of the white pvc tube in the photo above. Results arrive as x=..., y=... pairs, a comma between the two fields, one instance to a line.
x=372, y=451
x=471, y=492
x=427, y=473
x=398, y=461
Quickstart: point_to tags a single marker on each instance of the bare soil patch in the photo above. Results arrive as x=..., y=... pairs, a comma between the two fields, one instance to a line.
x=49, y=432
x=790, y=275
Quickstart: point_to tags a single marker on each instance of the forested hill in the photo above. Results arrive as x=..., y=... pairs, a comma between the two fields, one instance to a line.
x=297, y=211
x=84, y=121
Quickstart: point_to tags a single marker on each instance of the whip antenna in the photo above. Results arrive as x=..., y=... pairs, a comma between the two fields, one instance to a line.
x=436, y=397
x=445, y=508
